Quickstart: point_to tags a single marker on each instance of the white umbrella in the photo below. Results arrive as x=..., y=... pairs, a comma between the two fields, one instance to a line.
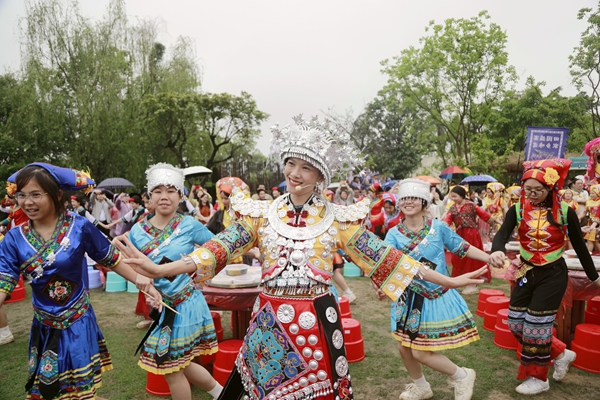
x=196, y=171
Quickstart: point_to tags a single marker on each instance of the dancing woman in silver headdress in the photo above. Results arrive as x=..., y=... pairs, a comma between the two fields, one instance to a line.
x=294, y=347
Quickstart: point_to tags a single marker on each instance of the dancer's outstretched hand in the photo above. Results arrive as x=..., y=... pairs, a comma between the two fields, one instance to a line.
x=470, y=278
x=380, y=294
x=497, y=259
x=135, y=258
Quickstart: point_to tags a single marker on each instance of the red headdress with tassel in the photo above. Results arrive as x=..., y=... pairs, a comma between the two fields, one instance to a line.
x=550, y=173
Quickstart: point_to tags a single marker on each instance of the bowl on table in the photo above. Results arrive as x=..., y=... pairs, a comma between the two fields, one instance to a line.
x=236, y=269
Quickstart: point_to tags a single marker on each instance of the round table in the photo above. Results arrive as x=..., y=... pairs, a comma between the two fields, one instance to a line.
x=237, y=300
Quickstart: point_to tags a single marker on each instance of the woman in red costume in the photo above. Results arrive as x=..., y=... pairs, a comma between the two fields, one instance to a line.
x=463, y=213
x=541, y=280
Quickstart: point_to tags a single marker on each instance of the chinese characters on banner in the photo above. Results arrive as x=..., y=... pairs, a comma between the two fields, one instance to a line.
x=545, y=142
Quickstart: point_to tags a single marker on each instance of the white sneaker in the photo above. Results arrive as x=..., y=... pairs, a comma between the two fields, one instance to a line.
x=463, y=389
x=144, y=324
x=4, y=339
x=350, y=296
x=414, y=392
x=533, y=385
x=561, y=367
x=471, y=289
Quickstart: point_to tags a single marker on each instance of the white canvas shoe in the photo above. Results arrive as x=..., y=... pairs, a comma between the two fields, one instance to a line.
x=350, y=296
x=463, y=389
x=532, y=386
x=4, y=339
x=561, y=367
x=414, y=392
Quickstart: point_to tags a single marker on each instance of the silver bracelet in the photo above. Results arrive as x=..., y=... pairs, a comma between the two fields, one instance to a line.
x=191, y=259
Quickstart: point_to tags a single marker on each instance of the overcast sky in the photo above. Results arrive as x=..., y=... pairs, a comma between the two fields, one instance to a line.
x=312, y=55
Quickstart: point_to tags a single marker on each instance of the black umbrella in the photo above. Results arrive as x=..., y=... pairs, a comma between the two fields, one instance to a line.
x=115, y=183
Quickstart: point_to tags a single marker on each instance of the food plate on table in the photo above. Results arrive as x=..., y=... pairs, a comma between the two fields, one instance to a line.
x=571, y=254
x=575, y=264
x=237, y=276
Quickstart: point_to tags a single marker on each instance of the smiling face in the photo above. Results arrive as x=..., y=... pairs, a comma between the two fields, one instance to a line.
x=165, y=200
x=411, y=206
x=458, y=199
x=41, y=210
x=300, y=173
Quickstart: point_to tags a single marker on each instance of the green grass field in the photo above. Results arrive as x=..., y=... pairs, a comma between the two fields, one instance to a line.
x=380, y=376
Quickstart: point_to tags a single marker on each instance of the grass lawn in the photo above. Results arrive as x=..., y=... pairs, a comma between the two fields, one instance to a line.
x=380, y=376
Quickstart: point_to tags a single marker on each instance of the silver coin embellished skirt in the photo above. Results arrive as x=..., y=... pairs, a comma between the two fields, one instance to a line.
x=294, y=349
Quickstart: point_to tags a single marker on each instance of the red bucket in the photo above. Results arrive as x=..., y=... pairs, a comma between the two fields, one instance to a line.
x=587, y=360
x=352, y=331
x=228, y=351
x=591, y=318
x=493, y=304
x=588, y=336
x=345, y=307
x=18, y=294
x=157, y=385
x=503, y=337
x=483, y=296
x=353, y=340
x=355, y=351
x=216, y=317
x=593, y=306
x=221, y=374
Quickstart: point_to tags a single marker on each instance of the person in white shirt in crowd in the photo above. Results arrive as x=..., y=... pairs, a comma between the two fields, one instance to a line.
x=101, y=206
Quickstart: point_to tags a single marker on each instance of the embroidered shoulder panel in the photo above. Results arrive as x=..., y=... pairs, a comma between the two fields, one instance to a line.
x=245, y=206
x=352, y=213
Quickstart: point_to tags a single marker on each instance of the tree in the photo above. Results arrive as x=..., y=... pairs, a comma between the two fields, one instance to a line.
x=171, y=124
x=229, y=124
x=391, y=133
x=585, y=65
x=455, y=77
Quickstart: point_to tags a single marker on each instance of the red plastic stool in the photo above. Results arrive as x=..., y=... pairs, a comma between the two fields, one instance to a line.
x=587, y=346
x=353, y=341
x=217, y=323
x=225, y=359
x=592, y=312
x=503, y=337
x=18, y=294
x=345, y=307
x=483, y=295
x=157, y=385
x=593, y=306
x=493, y=304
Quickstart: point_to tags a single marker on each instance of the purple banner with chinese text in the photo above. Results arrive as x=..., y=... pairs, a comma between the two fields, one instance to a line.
x=545, y=142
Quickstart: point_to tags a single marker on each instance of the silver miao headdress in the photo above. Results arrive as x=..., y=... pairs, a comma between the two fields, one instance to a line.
x=322, y=144
x=414, y=188
x=164, y=174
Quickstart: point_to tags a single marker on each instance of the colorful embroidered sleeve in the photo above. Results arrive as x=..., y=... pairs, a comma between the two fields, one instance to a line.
x=375, y=221
x=9, y=265
x=481, y=213
x=229, y=244
x=453, y=242
x=390, y=269
x=98, y=247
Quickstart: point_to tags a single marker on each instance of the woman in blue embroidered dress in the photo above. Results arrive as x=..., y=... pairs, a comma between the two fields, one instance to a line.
x=294, y=346
x=175, y=340
x=431, y=317
x=67, y=352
